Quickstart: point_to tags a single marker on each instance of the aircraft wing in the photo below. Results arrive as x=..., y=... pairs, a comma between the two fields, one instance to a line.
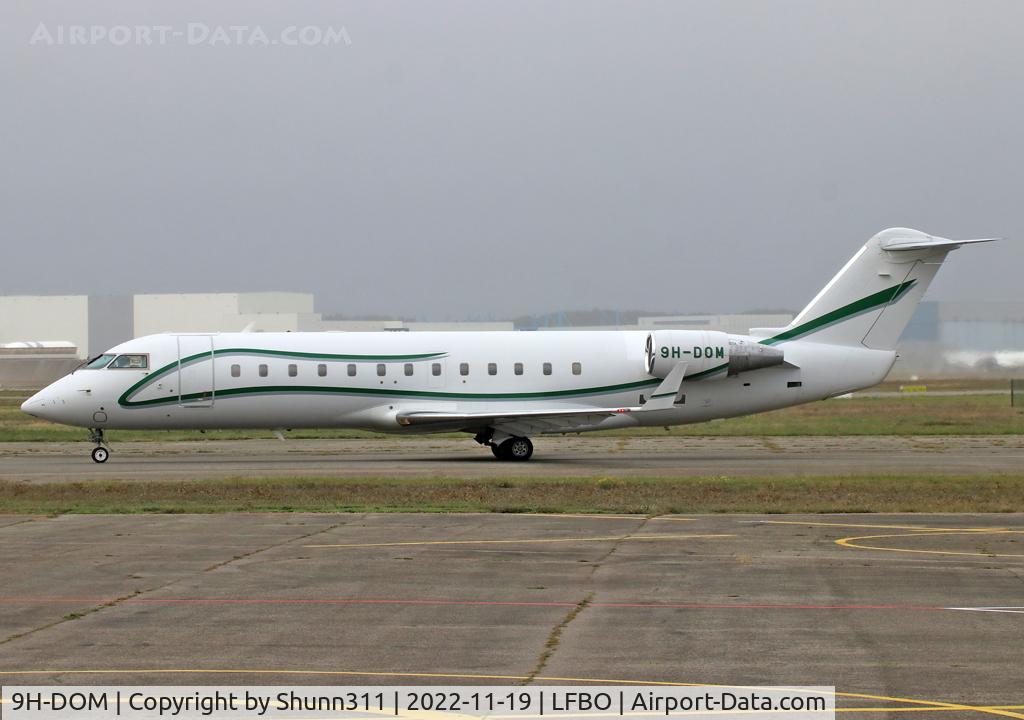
x=514, y=422
x=522, y=422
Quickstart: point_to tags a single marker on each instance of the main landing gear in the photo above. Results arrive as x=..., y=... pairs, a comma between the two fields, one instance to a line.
x=518, y=449
x=100, y=453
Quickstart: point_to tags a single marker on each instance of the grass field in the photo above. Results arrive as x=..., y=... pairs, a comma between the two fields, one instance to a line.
x=911, y=414
x=649, y=496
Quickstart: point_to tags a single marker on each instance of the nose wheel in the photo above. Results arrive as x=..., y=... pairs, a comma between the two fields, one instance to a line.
x=100, y=453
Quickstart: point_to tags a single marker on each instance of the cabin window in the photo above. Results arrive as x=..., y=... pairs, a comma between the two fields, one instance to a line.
x=517, y=368
x=794, y=383
x=293, y=370
x=435, y=369
x=382, y=369
x=130, y=362
x=352, y=370
x=236, y=371
x=264, y=370
x=321, y=370
x=547, y=368
x=577, y=368
x=99, y=362
x=463, y=368
x=408, y=369
x=492, y=368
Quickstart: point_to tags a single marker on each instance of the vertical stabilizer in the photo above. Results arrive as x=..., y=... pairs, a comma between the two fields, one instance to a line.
x=870, y=301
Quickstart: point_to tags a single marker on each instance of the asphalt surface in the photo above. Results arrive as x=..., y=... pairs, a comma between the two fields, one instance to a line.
x=584, y=456
x=918, y=614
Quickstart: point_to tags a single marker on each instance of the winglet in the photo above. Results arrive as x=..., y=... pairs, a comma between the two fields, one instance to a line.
x=670, y=392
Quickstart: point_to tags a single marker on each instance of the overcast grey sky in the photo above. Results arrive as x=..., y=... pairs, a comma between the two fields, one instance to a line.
x=472, y=158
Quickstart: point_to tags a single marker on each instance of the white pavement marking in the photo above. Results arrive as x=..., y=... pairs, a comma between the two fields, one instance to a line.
x=1007, y=609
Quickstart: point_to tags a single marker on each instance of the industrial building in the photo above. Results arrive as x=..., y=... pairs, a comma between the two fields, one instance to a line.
x=223, y=312
x=87, y=322
x=738, y=324
x=63, y=318
x=963, y=338
x=35, y=364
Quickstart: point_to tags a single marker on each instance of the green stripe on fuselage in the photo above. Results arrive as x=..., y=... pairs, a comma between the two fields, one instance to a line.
x=388, y=392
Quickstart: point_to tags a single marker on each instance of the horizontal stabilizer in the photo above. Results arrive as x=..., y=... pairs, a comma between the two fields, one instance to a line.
x=910, y=242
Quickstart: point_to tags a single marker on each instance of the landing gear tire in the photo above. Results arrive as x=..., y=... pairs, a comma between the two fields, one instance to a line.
x=99, y=453
x=517, y=449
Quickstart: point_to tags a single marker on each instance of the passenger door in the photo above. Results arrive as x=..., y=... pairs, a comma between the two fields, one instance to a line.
x=195, y=371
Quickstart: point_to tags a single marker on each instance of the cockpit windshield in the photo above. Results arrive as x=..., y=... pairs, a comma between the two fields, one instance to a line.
x=97, y=363
x=131, y=362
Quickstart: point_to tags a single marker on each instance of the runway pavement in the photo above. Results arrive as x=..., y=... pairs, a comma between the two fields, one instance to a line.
x=585, y=456
x=918, y=614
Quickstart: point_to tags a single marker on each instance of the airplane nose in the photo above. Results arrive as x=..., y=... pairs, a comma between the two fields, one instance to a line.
x=30, y=405
x=61, y=402
x=40, y=405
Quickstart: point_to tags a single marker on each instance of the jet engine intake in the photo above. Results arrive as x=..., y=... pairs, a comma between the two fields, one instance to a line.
x=701, y=350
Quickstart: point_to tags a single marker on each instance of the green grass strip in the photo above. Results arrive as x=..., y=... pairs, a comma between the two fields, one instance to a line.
x=788, y=494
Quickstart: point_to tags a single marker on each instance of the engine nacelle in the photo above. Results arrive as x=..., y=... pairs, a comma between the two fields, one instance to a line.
x=700, y=350
x=704, y=350
x=747, y=355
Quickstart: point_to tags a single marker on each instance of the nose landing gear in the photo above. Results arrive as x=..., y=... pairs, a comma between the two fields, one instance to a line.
x=101, y=452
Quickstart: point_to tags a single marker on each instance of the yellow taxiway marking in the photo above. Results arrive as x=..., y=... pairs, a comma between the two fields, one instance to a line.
x=922, y=705
x=883, y=527
x=924, y=709
x=661, y=714
x=989, y=709
x=600, y=516
x=588, y=516
x=605, y=538
x=854, y=542
x=915, y=531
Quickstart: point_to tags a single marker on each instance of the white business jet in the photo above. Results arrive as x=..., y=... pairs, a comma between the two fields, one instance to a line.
x=503, y=387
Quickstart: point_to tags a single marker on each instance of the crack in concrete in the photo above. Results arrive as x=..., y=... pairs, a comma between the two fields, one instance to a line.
x=257, y=551
x=25, y=520
x=76, y=615
x=555, y=636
